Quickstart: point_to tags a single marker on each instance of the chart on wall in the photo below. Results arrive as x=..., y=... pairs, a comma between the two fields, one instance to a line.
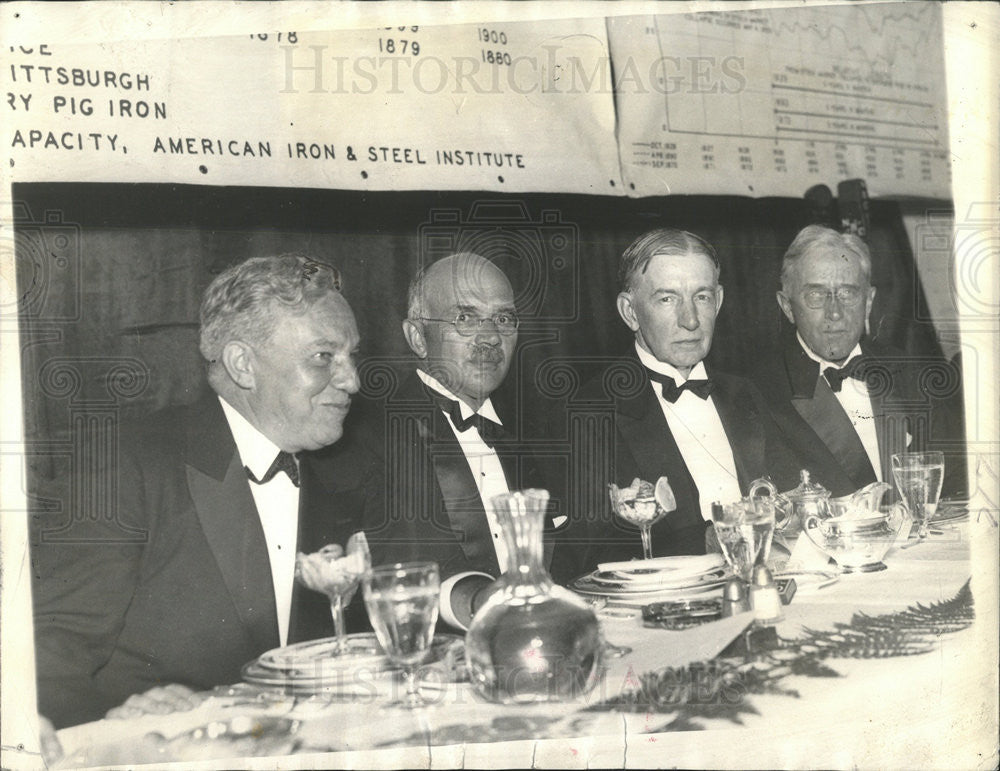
x=760, y=102
x=751, y=103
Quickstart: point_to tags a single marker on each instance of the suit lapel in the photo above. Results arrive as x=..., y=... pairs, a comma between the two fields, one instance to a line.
x=742, y=425
x=462, y=507
x=331, y=503
x=452, y=499
x=645, y=432
x=228, y=517
x=816, y=408
x=817, y=405
x=891, y=391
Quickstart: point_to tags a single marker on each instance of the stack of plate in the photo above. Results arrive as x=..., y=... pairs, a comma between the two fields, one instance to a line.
x=662, y=578
x=950, y=512
x=313, y=667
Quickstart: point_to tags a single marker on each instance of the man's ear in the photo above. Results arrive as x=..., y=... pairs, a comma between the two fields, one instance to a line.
x=414, y=334
x=627, y=311
x=719, y=293
x=786, y=306
x=238, y=359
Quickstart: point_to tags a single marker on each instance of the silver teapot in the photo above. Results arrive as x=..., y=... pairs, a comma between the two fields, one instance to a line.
x=792, y=508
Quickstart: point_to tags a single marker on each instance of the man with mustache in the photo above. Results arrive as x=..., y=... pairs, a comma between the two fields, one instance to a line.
x=843, y=401
x=446, y=448
x=214, y=500
x=662, y=412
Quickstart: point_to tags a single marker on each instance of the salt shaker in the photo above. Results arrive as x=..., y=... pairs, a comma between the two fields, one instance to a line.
x=764, y=598
x=734, y=598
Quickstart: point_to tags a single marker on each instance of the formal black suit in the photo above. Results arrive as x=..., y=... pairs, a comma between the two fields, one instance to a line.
x=187, y=596
x=431, y=508
x=913, y=402
x=617, y=431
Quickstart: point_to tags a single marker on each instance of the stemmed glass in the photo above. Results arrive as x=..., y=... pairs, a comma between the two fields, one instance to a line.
x=643, y=505
x=336, y=572
x=402, y=602
x=918, y=478
x=744, y=531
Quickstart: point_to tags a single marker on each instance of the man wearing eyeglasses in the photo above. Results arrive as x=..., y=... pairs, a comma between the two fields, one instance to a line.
x=844, y=402
x=448, y=448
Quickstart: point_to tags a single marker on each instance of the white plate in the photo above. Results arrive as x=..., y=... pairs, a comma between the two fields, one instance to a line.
x=363, y=650
x=665, y=573
x=950, y=511
x=310, y=667
x=686, y=563
x=598, y=585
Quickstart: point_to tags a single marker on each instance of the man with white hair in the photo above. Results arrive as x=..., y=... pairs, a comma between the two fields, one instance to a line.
x=844, y=402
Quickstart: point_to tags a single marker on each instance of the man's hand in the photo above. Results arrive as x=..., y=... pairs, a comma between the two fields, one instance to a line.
x=158, y=701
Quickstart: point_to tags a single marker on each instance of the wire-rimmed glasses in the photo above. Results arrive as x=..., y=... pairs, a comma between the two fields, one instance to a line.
x=847, y=296
x=468, y=324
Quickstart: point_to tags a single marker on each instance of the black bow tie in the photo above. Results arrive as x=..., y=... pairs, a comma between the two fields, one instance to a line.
x=836, y=376
x=672, y=392
x=283, y=461
x=488, y=430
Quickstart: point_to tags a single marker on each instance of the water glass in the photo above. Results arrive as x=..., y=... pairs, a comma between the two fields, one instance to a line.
x=744, y=531
x=402, y=602
x=918, y=477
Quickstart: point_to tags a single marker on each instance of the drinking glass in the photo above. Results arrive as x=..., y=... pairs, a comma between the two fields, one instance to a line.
x=918, y=478
x=638, y=505
x=744, y=531
x=402, y=602
x=336, y=572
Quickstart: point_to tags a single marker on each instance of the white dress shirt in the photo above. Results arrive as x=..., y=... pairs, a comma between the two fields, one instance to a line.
x=853, y=397
x=700, y=436
x=277, y=504
x=482, y=459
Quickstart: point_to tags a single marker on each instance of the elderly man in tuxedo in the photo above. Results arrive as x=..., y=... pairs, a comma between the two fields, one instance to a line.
x=445, y=446
x=219, y=495
x=844, y=402
x=661, y=411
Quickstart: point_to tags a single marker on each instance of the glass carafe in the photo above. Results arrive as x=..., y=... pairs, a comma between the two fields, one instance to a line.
x=532, y=641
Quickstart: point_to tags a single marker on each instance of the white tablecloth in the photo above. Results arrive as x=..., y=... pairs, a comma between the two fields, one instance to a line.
x=897, y=711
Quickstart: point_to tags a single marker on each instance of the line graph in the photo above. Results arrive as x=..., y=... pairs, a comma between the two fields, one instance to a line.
x=831, y=92
x=915, y=19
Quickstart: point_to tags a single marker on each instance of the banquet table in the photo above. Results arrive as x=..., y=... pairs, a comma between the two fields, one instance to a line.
x=884, y=668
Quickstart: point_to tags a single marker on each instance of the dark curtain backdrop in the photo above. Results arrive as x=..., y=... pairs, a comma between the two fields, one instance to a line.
x=110, y=278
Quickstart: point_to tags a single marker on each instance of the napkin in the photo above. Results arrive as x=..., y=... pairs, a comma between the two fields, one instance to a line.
x=656, y=649
x=806, y=556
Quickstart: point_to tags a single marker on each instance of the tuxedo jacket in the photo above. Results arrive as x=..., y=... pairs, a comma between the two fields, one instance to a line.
x=617, y=431
x=431, y=509
x=176, y=586
x=914, y=404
